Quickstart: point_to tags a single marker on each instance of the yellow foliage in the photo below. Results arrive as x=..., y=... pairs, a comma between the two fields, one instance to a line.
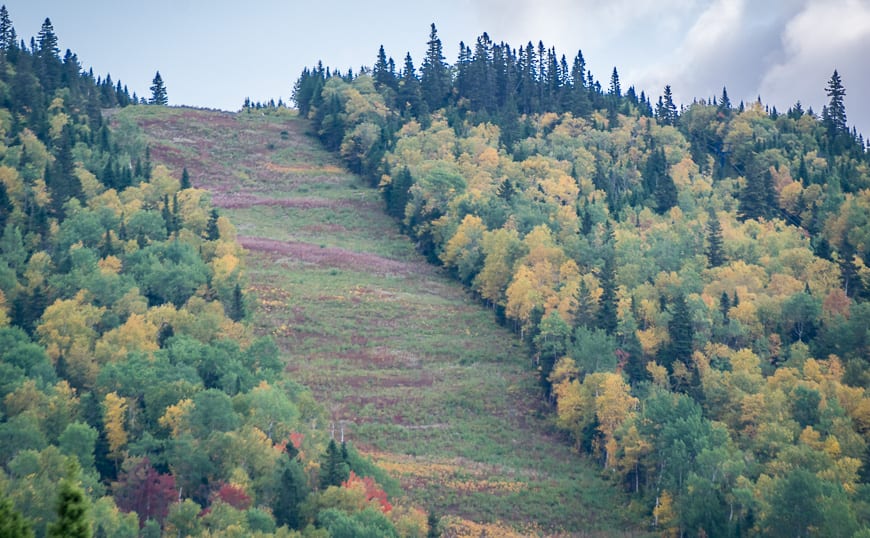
x=136, y=334
x=665, y=515
x=110, y=265
x=91, y=186
x=659, y=374
x=4, y=310
x=38, y=267
x=564, y=370
x=175, y=416
x=225, y=267
x=613, y=405
x=115, y=410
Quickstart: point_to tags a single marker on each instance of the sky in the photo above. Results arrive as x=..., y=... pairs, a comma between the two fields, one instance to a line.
x=215, y=53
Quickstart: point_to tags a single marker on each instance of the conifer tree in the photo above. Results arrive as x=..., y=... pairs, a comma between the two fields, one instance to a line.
x=47, y=40
x=212, y=232
x=333, y=468
x=8, y=39
x=665, y=194
x=835, y=118
x=158, y=91
x=615, y=89
x=237, y=307
x=681, y=333
x=12, y=523
x=291, y=492
x=715, y=253
x=185, y=179
x=607, y=319
x=435, y=77
x=72, y=509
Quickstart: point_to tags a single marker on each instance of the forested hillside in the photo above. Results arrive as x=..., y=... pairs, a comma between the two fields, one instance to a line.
x=692, y=282
x=135, y=400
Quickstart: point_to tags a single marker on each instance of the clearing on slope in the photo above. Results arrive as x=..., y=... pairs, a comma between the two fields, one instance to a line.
x=411, y=369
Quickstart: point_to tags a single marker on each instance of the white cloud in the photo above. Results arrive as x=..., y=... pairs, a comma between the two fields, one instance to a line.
x=824, y=36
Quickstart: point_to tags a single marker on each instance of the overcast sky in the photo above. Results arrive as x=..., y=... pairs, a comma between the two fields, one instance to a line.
x=214, y=53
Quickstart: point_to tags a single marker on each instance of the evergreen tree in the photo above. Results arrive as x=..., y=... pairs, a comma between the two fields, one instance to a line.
x=5, y=206
x=755, y=199
x=212, y=232
x=666, y=110
x=724, y=305
x=185, y=179
x=237, y=307
x=714, y=251
x=72, y=509
x=382, y=74
x=333, y=467
x=409, y=94
x=396, y=194
x=665, y=194
x=8, y=39
x=12, y=523
x=724, y=103
x=434, y=524
x=615, y=89
x=435, y=76
x=607, y=319
x=47, y=40
x=158, y=91
x=292, y=491
x=681, y=333
x=835, y=118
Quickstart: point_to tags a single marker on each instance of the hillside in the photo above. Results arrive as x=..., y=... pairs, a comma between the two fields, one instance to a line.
x=413, y=370
x=692, y=281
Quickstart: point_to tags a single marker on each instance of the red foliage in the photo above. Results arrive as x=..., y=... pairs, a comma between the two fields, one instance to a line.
x=145, y=491
x=296, y=438
x=372, y=489
x=234, y=496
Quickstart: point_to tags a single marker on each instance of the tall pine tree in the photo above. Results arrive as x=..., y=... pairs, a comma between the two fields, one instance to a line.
x=158, y=91
x=435, y=75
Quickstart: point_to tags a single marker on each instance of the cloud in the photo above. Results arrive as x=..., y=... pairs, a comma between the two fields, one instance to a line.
x=824, y=36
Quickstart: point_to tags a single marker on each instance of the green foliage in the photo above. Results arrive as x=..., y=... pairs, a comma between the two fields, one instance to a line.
x=368, y=523
x=73, y=520
x=12, y=523
x=699, y=249
x=158, y=91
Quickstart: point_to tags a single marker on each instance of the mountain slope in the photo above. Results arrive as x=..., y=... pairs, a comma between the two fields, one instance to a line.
x=414, y=371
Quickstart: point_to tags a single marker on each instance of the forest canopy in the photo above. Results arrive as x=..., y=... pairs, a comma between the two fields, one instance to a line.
x=135, y=399
x=692, y=281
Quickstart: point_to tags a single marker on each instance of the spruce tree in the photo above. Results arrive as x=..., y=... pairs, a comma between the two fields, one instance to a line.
x=158, y=91
x=5, y=206
x=8, y=39
x=665, y=194
x=434, y=524
x=333, y=468
x=607, y=319
x=681, y=333
x=237, y=307
x=715, y=253
x=836, y=110
x=435, y=76
x=185, y=179
x=12, y=523
x=212, y=232
x=72, y=509
x=47, y=40
x=291, y=492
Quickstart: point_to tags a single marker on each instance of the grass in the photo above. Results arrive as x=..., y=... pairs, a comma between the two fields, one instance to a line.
x=418, y=373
